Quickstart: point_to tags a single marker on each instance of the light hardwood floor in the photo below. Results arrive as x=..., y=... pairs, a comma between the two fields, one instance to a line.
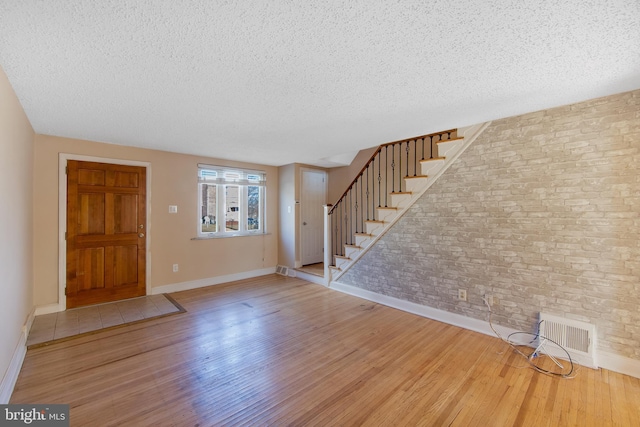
x=281, y=351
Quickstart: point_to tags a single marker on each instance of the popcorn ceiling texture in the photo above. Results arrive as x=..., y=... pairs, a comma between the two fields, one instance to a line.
x=543, y=212
x=278, y=82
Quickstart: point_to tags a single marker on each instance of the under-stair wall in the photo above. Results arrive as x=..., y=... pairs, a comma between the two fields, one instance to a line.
x=542, y=212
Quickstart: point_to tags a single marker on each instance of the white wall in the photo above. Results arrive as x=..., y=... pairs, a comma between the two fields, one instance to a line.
x=16, y=207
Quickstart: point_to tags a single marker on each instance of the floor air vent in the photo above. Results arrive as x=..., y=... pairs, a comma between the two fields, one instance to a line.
x=282, y=270
x=578, y=338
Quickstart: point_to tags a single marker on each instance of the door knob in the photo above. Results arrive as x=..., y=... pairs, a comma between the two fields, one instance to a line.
x=141, y=226
x=141, y=235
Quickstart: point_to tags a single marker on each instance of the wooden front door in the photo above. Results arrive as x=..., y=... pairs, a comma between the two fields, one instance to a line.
x=106, y=232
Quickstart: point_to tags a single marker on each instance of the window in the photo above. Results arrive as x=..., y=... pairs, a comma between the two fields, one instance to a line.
x=231, y=201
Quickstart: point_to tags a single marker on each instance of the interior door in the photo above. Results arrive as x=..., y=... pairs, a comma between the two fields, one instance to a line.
x=106, y=228
x=313, y=197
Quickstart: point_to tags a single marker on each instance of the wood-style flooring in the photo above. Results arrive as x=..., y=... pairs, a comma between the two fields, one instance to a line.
x=276, y=351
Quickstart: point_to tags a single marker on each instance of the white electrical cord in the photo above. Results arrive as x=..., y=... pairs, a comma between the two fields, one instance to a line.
x=535, y=353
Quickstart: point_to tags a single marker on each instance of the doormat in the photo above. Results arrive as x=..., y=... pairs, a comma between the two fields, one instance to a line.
x=52, y=328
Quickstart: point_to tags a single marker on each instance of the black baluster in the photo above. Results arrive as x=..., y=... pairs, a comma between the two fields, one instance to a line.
x=431, y=146
x=379, y=181
x=393, y=169
x=415, y=157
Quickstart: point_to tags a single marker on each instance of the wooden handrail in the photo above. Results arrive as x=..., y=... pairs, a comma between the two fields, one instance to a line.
x=401, y=141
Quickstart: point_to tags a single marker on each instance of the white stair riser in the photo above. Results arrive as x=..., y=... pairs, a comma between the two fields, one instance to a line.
x=342, y=262
x=387, y=215
x=415, y=184
x=399, y=200
x=449, y=148
x=363, y=241
x=374, y=228
x=431, y=167
x=351, y=252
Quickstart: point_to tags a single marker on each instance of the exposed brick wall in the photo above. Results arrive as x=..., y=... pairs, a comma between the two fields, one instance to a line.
x=543, y=212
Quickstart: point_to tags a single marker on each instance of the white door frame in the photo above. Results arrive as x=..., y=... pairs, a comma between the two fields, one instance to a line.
x=326, y=188
x=62, y=221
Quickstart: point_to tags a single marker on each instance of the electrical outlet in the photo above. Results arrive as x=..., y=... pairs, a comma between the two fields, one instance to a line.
x=462, y=294
x=175, y=268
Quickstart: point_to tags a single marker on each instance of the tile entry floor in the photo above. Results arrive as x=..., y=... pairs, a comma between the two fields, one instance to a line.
x=64, y=324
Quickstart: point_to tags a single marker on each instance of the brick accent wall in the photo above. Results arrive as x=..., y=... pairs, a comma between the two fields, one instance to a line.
x=542, y=211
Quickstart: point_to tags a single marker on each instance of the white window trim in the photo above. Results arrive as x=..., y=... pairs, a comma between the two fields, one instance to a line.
x=242, y=183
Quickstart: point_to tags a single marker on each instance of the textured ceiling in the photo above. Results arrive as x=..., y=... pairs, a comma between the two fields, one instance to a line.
x=277, y=82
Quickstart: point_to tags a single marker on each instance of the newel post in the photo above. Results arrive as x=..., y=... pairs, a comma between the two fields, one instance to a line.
x=327, y=245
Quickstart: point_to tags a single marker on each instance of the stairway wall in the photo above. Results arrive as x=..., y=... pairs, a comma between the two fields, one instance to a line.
x=542, y=211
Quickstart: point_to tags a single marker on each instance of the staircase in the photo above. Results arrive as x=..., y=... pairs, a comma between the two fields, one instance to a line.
x=395, y=176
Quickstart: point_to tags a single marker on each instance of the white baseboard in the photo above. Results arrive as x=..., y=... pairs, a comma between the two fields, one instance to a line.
x=48, y=309
x=617, y=363
x=612, y=362
x=423, y=310
x=201, y=283
x=11, y=376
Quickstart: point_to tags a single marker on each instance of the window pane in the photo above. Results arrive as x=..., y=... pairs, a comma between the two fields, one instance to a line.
x=206, y=174
x=253, y=207
x=232, y=209
x=208, y=208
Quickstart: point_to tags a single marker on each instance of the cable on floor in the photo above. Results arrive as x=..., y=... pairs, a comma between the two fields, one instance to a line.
x=534, y=354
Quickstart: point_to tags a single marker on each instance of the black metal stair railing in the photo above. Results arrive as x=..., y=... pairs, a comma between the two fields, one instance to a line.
x=382, y=175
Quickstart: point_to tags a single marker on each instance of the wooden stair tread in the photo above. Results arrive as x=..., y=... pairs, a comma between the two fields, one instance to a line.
x=342, y=257
x=433, y=159
x=459, y=138
x=417, y=176
x=363, y=234
x=353, y=246
x=374, y=221
x=401, y=192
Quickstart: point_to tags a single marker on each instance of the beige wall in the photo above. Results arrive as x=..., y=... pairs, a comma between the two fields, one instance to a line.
x=16, y=207
x=341, y=178
x=287, y=220
x=173, y=182
x=542, y=212
x=290, y=187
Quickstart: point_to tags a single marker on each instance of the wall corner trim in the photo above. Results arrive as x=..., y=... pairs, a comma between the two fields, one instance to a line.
x=11, y=375
x=610, y=361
